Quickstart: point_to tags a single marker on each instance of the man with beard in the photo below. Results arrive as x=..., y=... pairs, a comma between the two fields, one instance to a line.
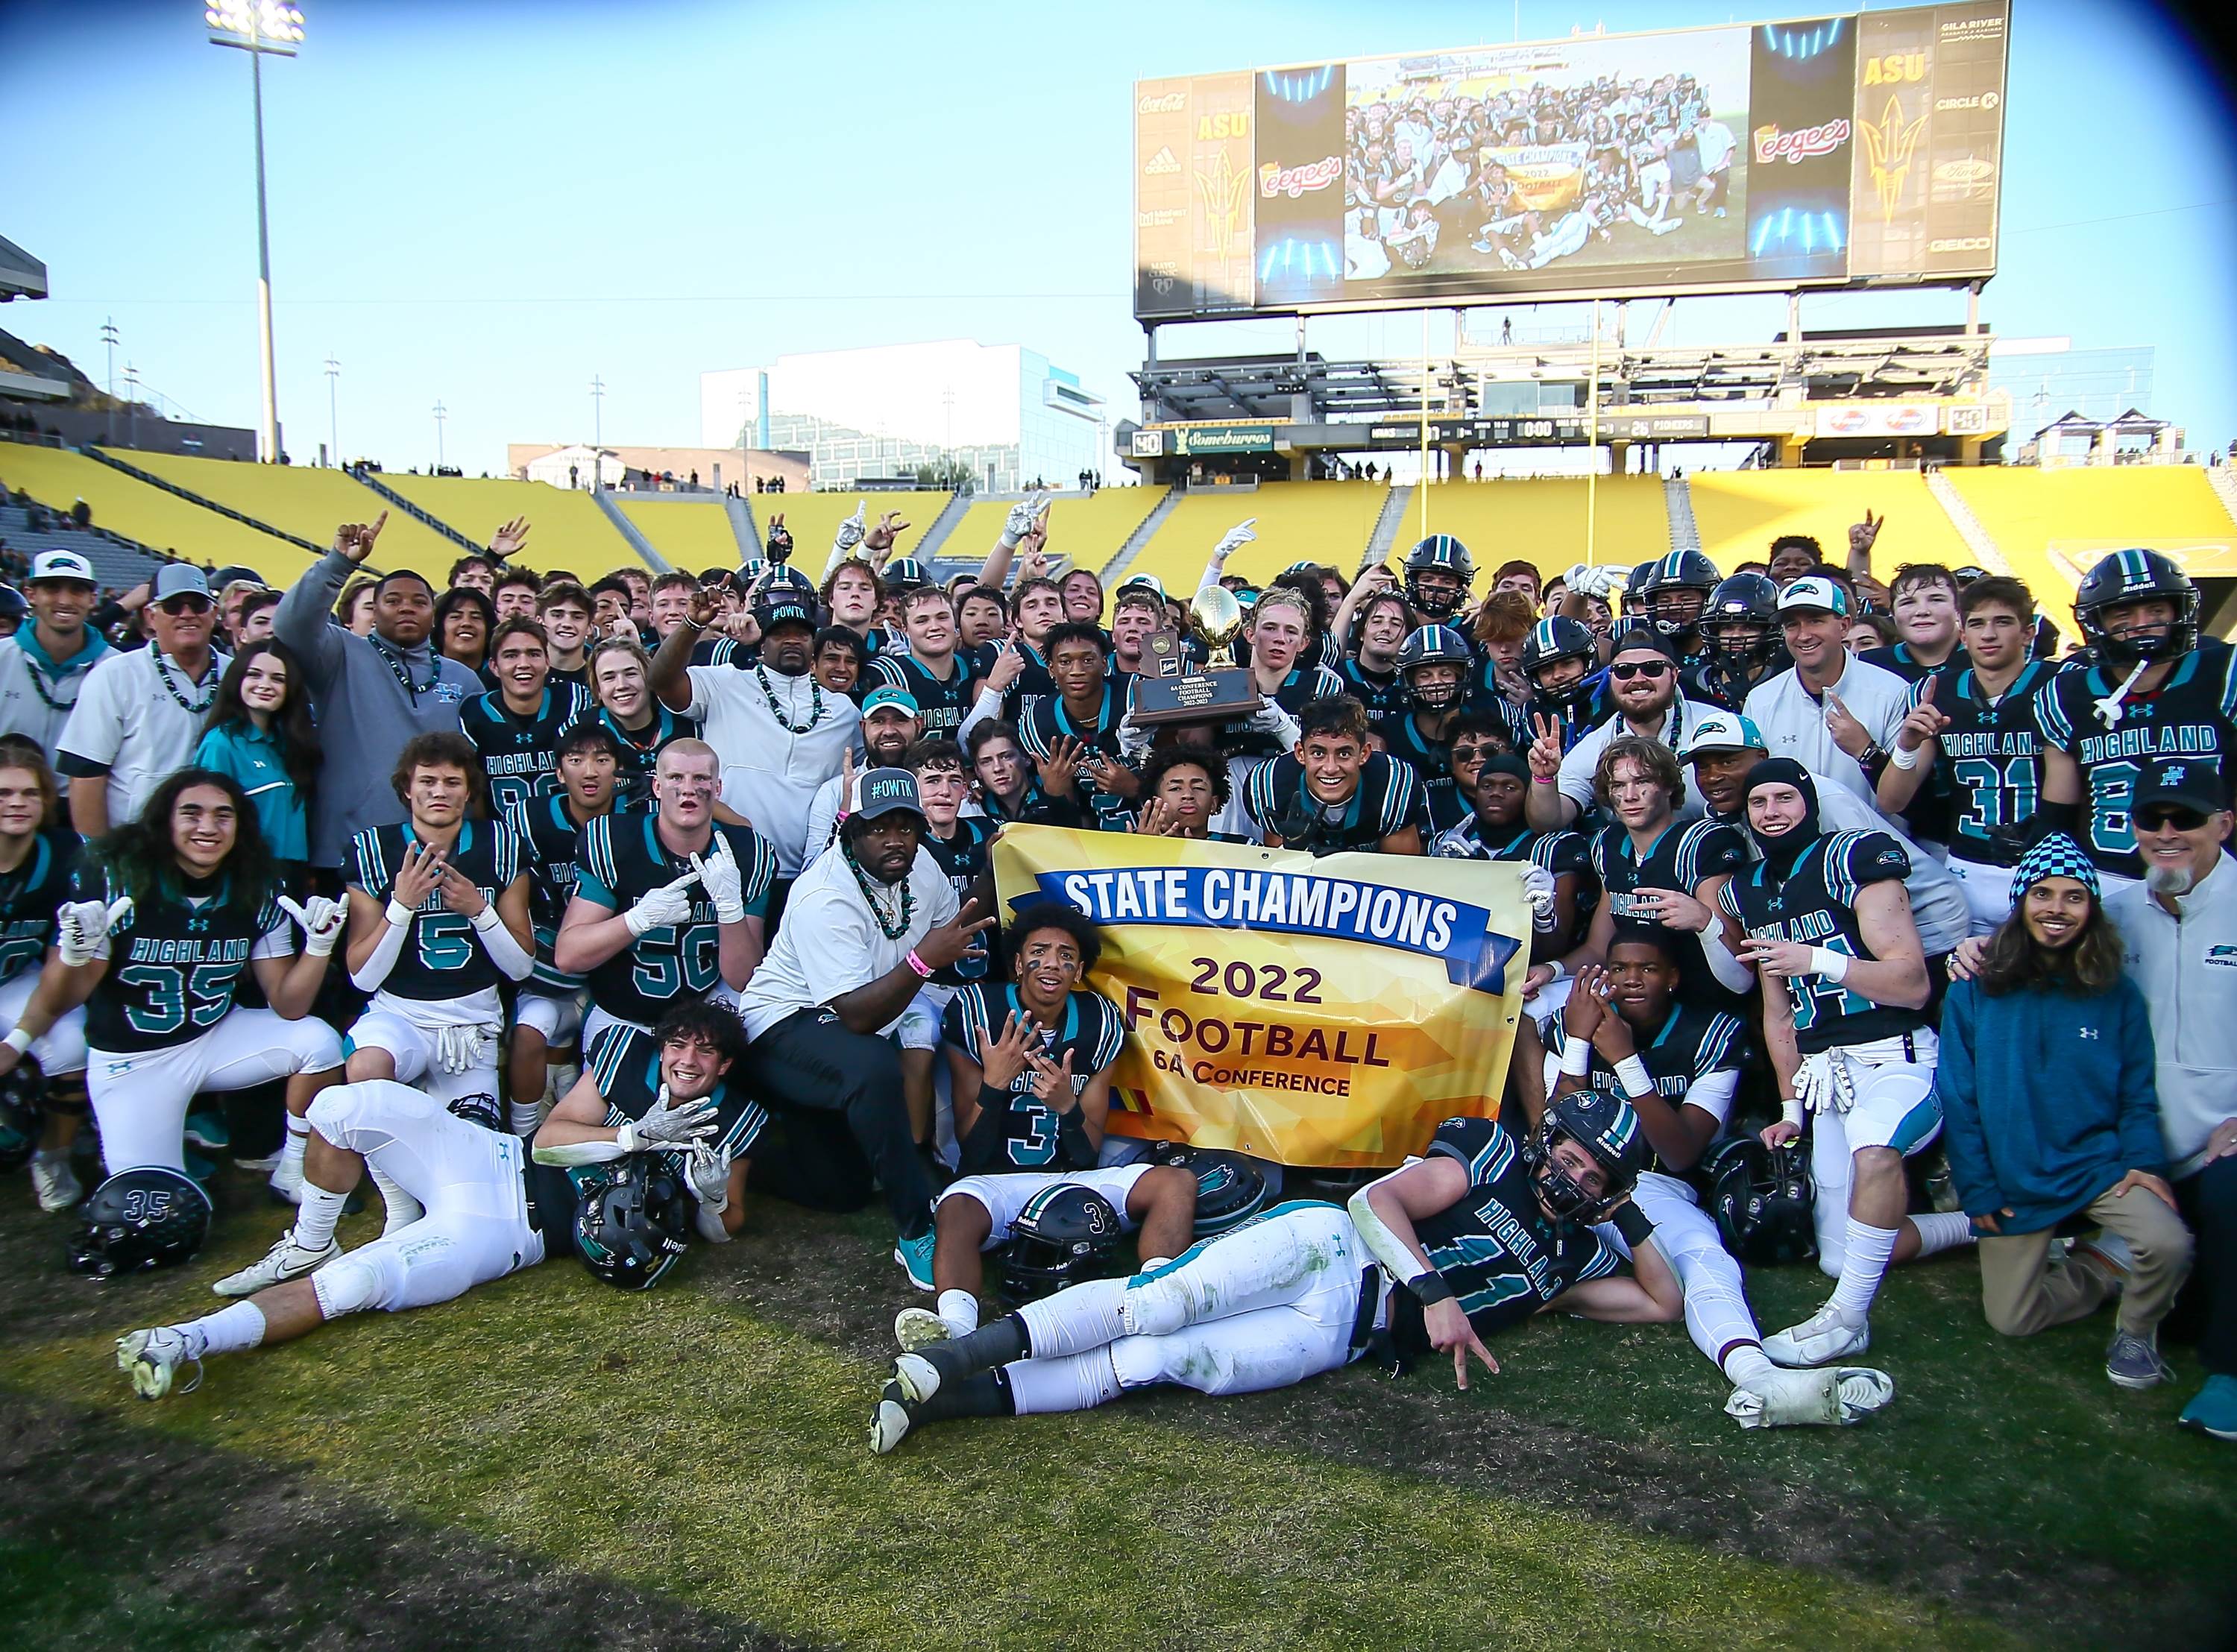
x=1825, y=918
x=1741, y=643
x=891, y=724
x=1643, y=685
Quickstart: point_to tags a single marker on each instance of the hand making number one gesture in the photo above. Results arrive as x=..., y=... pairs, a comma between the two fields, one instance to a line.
x=354, y=539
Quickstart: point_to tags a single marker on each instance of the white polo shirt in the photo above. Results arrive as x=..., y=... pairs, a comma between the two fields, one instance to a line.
x=770, y=774
x=831, y=944
x=2187, y=969
x=1793, y=722
x=1576, y=777
x=129, y=721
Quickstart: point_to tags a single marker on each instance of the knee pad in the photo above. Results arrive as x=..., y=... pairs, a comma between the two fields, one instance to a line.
x=1155, y=1307
x=317, y=1046
x=329, y=1112
x=357, y=1280
x=66, y=1094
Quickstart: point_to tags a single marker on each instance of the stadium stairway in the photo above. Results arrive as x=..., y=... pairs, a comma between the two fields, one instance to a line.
x=100, y=457
x=1384, y=542
x=628, y=529
x=2222, y=478
x=1986, y=553
x=743, y=529
x=936, y=535
x=2053, y=525
x=426, y=518
x=117, y=562
x=566, y=528
x=688, y=530
x=1115, y=570
x=1684, y=532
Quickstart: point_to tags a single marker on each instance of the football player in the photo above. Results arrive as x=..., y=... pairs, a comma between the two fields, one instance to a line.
x=642, y=726
x=1742, y=644
x=516, y=729
x=1031, y=1063
x=1335, y=793
x=634, y=927
x=1480, y=1234
x=931, y=673
x=44, y=1027
x=438, y=917
x=1379, y=628
x=1433, y=663
x=1923, y=599
x=1081, y=718
x=1827, y=918
x=1623, y=1033
x=2157, y=690
x=1439, y=571
x=183, y=901
x=1185, y=794
x=1282, y=629
x=1561, y=660
x=1496, y=831
x=549, y=1011
x=1675, y=593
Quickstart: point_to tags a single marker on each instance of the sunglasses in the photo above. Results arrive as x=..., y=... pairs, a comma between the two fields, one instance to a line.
x=175, y=606
x=2182, y=819
x=1626, y=670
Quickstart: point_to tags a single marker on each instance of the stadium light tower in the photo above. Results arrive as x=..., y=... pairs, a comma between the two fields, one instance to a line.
x=260, y=27
x=441, y=413
x=333, y=420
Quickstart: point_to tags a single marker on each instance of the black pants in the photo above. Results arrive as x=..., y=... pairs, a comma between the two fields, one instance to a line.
x=2206, y=1309
x=810, y=1063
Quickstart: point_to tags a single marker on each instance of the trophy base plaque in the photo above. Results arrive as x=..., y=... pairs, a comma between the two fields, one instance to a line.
x=1222, y=694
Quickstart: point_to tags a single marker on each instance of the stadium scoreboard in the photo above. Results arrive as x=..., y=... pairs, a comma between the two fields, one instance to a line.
x=1861, y=149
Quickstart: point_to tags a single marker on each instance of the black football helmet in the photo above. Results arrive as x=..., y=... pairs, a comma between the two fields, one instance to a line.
x=1635, y=588
x=785, y=577
x=481, y=1109
x=1761, y=1198
x=148, y=1217
x=632, y=1225
x=1230, y=1190
x=1740, y=619
x=1550, y=642
x=1435, y=645
x=1438, y=551
x=1606, y=1127
x=1664, y=587
x=1066, y=1233
x=2137, y=577
x=904, y=574
x=19, y=1114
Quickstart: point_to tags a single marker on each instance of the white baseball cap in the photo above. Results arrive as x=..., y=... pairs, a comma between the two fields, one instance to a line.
x=1814, y=591
x=61, y=564
x=1723, y=731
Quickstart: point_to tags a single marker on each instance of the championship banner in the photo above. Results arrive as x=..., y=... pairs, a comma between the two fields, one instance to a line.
x=1325, y=1012
x=1547, y=176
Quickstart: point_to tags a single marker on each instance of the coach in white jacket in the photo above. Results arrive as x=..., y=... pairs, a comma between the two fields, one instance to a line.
x=1832, y=711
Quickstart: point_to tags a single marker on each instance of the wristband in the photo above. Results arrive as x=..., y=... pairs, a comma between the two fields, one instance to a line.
x=1834, y=966
x=1903, y=760
x=17, y=1040
x=923, y=969
x=693, y=623
x=1560, y=967
x=1633, y=1223
x=1631, y=1073
x=1431, y=1287
x=1576, y=1058
x=486, y=920
x=399, y=913
x=1544, y=779
x=1789, y=1111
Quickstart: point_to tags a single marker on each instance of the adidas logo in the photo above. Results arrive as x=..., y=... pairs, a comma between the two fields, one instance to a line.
x=1161, y=164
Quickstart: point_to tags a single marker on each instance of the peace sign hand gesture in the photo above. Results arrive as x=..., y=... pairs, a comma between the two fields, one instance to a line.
x=1545, y=753
x=882, y=536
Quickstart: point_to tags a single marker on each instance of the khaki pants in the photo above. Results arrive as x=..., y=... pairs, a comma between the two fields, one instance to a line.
x=2022, y=1294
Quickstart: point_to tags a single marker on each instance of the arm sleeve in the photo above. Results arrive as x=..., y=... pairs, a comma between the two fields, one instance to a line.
x=1972, y=1172
x=304, y=619
x=368, y=977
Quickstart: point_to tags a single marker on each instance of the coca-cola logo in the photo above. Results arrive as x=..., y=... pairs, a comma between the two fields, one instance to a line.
x=1772, y=143
x=1295, y=180
x=1170, y=103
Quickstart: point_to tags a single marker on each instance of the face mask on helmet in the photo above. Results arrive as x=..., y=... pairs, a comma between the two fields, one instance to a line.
x=1739, y=641
x=1441, y=694
x=2125, y=579
x=1676, y=609
x=1563, y=1197
x=1065, y=1235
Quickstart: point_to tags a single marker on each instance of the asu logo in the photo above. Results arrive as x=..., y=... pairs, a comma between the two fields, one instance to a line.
x=1890, y=146
x=1895, y=68
x=1224, y=190
x=1236, y=123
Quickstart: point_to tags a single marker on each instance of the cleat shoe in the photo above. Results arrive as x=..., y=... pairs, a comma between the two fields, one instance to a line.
x=916, y=1376
x=915, y=1328
x=153, y=1359
x=287, y=1181
x=1836, y=1396
x=55, y=1182
x=916, y=1255
x=2212, y=1409
x=891, y=1421
x=263, y=1165
x=285, y=1261
x=207, y=1131
x=2134, y=1361
x=1818, y=1340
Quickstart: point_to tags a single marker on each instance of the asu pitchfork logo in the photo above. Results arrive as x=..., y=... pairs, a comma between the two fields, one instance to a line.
x=1890, y=148
x=1223, y=187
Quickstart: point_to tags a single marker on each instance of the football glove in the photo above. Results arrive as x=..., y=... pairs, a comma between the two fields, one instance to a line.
x=666, y=1125
x=669, y=904
x=321, y=920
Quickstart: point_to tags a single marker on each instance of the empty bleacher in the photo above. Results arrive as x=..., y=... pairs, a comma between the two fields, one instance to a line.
x=813, y=519
x=59, y=478
x=1322, y=522
x=691, y=532
x=116, y=565
x=566, y=528
x=1542, y=520
x=1083, y=531
x=2051, y=525
x=1740, y=512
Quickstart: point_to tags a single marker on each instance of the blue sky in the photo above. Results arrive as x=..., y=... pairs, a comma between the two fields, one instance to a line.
x=488, y=204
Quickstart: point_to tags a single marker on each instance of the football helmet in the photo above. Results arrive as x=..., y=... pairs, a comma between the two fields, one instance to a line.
x=1436, y=645
x=1606, y=1127
x=1761, y=1199
x=786, y=578
x=1439, y=552
x=481, y=1109
x=1066, y=1233
x=1230, y=1190
x=2136, y=576
x=904, y=574
x=143, y=1218
x=1664, y=585
x=1749, y=600
x=1550, y=642
x=630, y=1226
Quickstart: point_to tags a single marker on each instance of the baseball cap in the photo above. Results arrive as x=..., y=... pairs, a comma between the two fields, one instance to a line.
x=883, y=790
x=2187, y=782
x=783, y=610
x=61, y=564
x=180, y=579
x=1633, y=635
x=887, y=695
x=1723, y=731
x=1814, y=591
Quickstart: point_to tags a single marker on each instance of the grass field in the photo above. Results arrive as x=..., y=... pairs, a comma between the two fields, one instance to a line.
x=548, y=1462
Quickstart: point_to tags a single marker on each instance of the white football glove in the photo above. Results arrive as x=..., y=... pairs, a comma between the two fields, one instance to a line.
x=1236, y=537
x=80, y=925
x=719, y=876
x=461, y=1050
x=706, y=1166
x=667, y=1126
x=1272, y=719
x=1597, y=580
x=1133, y=740
x=1822, y=1085
x=1022, y=516
x=321, y=920
x=1538, y=890
x=851, y=531
x=669, y=904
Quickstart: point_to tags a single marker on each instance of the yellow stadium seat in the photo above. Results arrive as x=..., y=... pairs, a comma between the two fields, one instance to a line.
x=813, y=520
x=1740, y=512
x=2052, y=525
x=307, y=502
x=1318, y=522
x=566, y=528
x=160, y=520
x=690, y=533
x=1543, y=520
x=1083, y=531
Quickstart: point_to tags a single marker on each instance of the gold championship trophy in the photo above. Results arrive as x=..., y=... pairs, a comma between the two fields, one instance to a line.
x=1171, y=693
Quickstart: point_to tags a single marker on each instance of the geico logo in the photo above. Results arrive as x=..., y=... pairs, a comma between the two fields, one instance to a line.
x=1960, y=244
x=1170, y=103
x=1896, y=66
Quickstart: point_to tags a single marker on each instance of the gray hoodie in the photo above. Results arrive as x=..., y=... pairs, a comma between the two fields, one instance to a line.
x=367, y=713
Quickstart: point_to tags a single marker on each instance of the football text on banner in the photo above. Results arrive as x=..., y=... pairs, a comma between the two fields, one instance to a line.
x=1315, y=1012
